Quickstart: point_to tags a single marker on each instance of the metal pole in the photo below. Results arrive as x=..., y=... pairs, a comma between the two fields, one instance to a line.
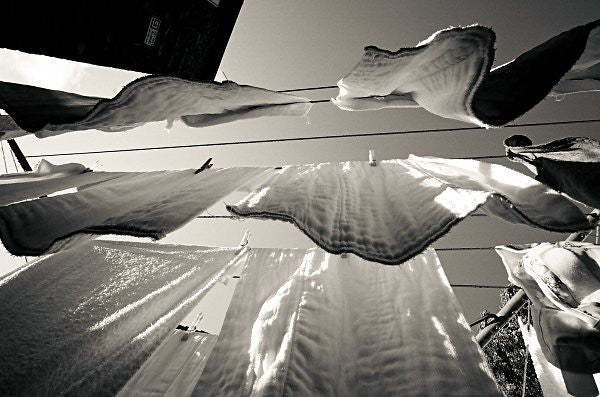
x=519, y=299
x=20, y=156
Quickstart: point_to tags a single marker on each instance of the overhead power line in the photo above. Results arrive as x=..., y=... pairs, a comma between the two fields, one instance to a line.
x=312, y=138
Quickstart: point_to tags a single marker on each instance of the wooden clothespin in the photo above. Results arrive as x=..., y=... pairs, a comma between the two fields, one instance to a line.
x=207, y=164
x=372, y=160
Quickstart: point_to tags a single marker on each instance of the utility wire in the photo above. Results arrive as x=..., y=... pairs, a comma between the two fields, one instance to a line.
x=312, y=138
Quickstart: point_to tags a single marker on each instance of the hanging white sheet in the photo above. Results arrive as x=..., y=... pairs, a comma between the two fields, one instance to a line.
x=82, y=321
x=304, y=322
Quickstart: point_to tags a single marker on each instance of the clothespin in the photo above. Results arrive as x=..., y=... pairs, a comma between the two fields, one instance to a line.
x=372, y=160
x=205, y=166
x=245, y=239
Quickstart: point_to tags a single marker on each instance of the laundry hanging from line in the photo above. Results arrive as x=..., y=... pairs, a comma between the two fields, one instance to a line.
x=393, y=211
x=562, y=280
x=48, y=179
x=177, y=363
x=47, y=112
x=142, y=204
x=304, y=322
x=570, y=165
x=82, y=321
x=449, y=75
x=553, y=381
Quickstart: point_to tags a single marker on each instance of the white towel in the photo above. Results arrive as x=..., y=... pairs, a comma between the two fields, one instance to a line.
x=48, y=178
x=147, y=99
x=145, y=204
x=393, y=211
x=82, y=321
x=304, y=322
x=449, y=75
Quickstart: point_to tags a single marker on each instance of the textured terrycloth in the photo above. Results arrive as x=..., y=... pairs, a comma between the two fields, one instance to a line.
x=145, y=204
x=151, y=98
x=391, y=212
x=562, y=281
x=304, y=322
x=570, y=165
x=554, y=382
x=449, y=75
x=47, y=179
x=82, y=321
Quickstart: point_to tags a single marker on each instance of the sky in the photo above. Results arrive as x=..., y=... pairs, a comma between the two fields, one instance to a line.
x=291, y=44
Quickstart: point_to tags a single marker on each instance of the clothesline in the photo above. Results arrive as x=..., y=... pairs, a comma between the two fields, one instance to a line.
x=310, y=138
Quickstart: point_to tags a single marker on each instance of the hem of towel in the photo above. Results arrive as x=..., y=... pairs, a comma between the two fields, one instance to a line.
x=390, y=260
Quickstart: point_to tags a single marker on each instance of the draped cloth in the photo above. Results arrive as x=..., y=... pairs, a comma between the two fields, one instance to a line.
x=147, y=99
x=562, y=280
x=82, y=321
x=144, y=204
x=47, y=179
x=304, y=322
x=450, y=75
x=570, y=165
x=393, y=211
x=554, y=382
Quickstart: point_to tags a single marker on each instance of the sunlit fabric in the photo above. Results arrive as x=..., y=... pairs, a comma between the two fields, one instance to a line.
x=393, y=211
x=82, y=321
x=144, y=204
x=570, y=165
x=449, y=75
x=563, y=282
x=553, y=381
x=174, y=367
x=48, y=178
x=147, y=99
x=304, y=322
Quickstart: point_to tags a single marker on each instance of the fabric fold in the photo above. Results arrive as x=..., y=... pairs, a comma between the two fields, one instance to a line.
x=562, y=280
x=570, y=165
x=304, y=322
x=147, y=99
x=82, y=321
x=144, y=204
x=48, y=179
x=393, y=211
x=450, y=75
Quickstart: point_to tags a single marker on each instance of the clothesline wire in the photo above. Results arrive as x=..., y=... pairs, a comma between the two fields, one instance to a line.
x=4, y=157
x=323, y=87
x=311, y=138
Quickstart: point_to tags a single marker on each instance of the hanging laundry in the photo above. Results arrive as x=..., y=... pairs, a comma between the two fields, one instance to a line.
x=48, y=178
x=147, y=99
x=554, y=382
x=144, y=204
x=82, y=321
x=449, y=75
x=304, y=322
x=562, y=280
x=393, y=211
x=175, y=366
x=570, y=165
